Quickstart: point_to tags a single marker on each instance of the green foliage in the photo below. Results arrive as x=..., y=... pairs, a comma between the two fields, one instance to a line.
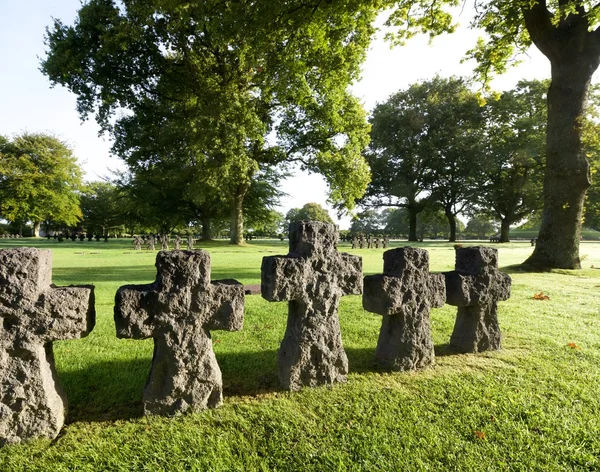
x=252, y=70
x=103, y=208
x=515, y=153
x=271, y=225
x=310, y=211
x=368, y=222
x=39, y=180
x=480, y=227
x=425, y=149
x=592, y=202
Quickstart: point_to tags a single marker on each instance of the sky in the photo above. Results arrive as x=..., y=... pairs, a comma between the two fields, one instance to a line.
x=28, y=103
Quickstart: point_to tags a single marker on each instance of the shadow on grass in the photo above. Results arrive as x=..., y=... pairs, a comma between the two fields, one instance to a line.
x=134, y=274
x=362, y=360
x=113, y=390
x=125, y=274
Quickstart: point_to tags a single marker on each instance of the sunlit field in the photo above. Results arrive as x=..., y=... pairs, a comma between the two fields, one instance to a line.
x=534, y=405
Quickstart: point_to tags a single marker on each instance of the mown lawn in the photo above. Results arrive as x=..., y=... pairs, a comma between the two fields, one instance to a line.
x=535, y=405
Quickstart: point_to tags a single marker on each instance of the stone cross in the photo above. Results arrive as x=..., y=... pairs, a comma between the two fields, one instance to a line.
x=35, y=313
x=404, y=294
x=476, y=286
x=312, y=278
x=178, y=310
x=164, y=242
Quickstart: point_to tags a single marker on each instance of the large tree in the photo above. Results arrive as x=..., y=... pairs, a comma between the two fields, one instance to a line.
x=102, y=207
x=235, y=84
x=514, y=154
x=40, y=180
x=310, y=211
x=425, y=145
x=567, y=33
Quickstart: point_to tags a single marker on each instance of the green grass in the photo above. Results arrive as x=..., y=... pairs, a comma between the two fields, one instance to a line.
x=535, y=405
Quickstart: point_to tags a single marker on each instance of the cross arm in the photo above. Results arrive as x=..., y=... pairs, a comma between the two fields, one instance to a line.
x=459, y=288
x=282, y=278
x=135, y=311
x=351, y=278
x=437, y=290
x=69, y=312
x=382, y=294
x=224, y=305
x=466, y=290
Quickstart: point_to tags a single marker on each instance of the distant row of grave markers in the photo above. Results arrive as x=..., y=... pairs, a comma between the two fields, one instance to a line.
x=182, y=306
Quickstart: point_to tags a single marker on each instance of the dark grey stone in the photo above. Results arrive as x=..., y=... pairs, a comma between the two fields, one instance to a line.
x=312, y=278
x=404, y=295
x=35, y=313
x=475, y=287
x=178, y=310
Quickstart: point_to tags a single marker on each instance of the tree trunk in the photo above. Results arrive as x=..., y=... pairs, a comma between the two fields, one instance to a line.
x=567, y=174
x=412, y=230
x=504, y=230
x=237, y=215
x=206, y=229
x=36, y=229
x=452, y=222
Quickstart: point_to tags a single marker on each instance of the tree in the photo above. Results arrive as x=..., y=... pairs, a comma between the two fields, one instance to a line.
x=310, y=211
x=514, y=154
x=39, y=180
x=271, y=224
x=433, y=222
x=102, y=207
x=219, y=78
x=567, y=33
x=480, y=226
x=398, y=154
x=592, y=202
x=396, y=221
x=426, y=146
x=368, y=222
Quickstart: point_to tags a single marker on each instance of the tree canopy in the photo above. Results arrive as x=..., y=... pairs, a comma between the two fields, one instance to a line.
x=40, y=180
x=426, y=148
x=514, y=154
x=567, y=32
x=232, y=85
x=311, y=211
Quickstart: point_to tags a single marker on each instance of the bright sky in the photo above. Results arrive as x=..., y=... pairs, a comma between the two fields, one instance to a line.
x=27, y=103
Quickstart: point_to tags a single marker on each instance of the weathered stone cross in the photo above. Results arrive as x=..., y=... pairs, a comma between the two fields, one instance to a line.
x=476, y=286
x=312, y=277
x=178, y=310
x=404, y=294
x=35, y=313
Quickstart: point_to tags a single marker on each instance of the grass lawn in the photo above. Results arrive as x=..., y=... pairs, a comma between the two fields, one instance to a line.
x=534, y=405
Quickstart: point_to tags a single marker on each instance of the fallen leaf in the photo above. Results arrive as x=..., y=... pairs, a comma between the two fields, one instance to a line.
x=573, y=346
x=540, y=296
x=479, y=435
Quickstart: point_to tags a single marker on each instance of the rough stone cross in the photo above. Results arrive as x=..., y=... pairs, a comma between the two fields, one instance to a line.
x=178, y=310
x=476, y=286
x=404, y=294
x=35, y=313
x=312, y=278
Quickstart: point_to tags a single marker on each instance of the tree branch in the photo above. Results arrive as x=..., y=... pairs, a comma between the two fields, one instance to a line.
x=538, y=21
